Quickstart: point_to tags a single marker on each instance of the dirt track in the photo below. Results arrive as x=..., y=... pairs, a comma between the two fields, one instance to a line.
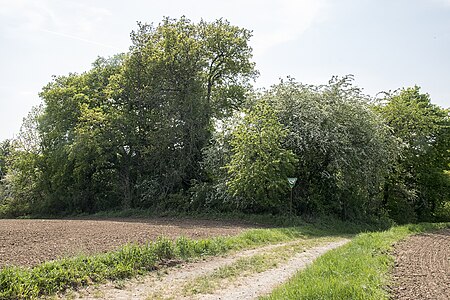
x=422, y=267
x=29, y=242
x=170, y=283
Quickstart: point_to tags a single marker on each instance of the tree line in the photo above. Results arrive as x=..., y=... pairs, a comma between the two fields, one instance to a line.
x=175, y=124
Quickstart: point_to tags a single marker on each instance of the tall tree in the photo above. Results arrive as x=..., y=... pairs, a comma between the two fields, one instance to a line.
x=77, y=140
x=131, y=130
x=179, y=76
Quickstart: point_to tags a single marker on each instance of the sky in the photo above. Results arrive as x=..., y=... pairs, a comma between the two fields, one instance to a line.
x=385, y=44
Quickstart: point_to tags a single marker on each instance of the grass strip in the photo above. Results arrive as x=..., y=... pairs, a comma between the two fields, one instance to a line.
x=358, y=270
x=56, y=276
x=247, y=266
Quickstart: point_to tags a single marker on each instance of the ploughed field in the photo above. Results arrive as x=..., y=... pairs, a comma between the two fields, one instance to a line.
x=30, y=242
x=422, y=267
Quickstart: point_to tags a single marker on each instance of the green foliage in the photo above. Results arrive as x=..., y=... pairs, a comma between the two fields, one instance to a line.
x=129, y=133
x=443, y=212
x=163, y=127
x=51, y=277
x=358, y=270
x=259, y=165
x=213, y=193
x=418, y=181
x=60, y=160
x=179, y=76
x=5, y=152
x=344, y=149
x=21, y=160
x=164, y=248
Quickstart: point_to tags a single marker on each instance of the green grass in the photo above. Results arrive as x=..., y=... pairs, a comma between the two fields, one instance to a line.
x=358, y=270
x=56, y=276
x=247, y=266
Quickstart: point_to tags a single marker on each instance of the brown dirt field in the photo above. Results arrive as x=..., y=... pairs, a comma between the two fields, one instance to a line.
x=422, y=267
x=30, y=242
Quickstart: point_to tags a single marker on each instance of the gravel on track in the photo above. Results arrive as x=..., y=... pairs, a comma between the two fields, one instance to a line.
x=30, y=242
x=170, y=282
x=422, y=267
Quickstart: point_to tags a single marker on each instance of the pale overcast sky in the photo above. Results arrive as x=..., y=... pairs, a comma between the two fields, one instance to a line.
x=386, y=44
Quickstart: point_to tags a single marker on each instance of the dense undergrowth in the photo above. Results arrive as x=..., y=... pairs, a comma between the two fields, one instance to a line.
x=358, y=270
x=131, y=260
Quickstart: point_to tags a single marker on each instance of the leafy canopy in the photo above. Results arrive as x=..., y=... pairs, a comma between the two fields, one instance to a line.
x=259, y=165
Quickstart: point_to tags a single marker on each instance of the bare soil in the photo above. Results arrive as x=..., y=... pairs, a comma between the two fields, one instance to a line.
x=422, y=267
x=30, y=242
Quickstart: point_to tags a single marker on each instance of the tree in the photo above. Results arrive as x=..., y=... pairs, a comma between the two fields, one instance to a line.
x=131, y=130
x=344, y=149
x=419, y=185
x=227, y=66
x=77, y=141
x=5, y=152
x=179, y=76
x=21, y=182
x=259, y=165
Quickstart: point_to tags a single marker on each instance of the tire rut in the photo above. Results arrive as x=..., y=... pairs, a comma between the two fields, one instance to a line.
x=169, y=284
x=263, y=283
x=167, y=280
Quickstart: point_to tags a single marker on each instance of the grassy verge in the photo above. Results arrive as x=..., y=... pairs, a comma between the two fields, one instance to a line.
x=247, y=266
x=358, y=270
x=56, y=276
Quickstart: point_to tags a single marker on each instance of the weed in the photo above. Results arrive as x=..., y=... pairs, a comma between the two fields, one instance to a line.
x=358, y=270
x=247, y=266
